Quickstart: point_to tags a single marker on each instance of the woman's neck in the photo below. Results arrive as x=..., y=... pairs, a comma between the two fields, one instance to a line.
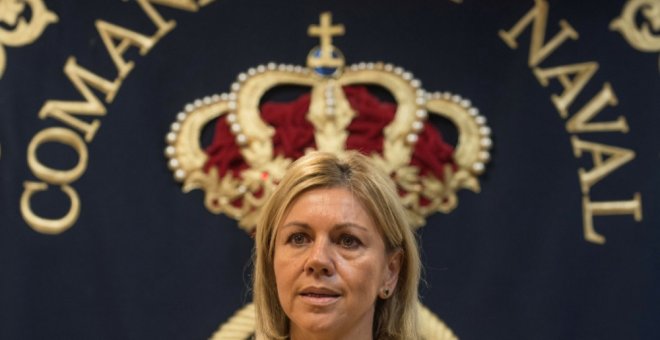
x=358, y=333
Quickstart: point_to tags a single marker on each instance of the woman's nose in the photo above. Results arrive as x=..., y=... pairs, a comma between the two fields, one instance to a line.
x=320, y=261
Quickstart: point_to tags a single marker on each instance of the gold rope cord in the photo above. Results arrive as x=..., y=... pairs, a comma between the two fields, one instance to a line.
x=239, y=327
x=431, y=327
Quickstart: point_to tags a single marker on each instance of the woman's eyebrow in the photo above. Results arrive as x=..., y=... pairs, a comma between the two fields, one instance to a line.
x=344, y=225
x=348, y=225
x=296, y=224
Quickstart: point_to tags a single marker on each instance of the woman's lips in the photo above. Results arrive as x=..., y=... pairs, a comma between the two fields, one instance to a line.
x=319, y=296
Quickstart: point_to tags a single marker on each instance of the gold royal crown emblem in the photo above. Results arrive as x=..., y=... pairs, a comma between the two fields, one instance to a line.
x=254, y=142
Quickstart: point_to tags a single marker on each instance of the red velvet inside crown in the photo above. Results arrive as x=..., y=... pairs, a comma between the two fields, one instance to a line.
x=294, y=134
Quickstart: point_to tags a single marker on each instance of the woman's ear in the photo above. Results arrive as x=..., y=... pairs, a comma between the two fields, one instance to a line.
x=393, y=269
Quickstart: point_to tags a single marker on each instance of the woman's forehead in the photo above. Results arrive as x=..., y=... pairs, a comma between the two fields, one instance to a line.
x=326, y=201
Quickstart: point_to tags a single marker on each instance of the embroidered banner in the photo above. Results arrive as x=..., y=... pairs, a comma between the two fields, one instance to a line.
x=137, y=139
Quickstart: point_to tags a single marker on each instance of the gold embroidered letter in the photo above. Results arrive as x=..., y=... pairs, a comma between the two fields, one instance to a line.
x=579, y=123
x=591, y=209
x=64, y=110
x=537, y=50
x=46, y=225
x=583, y=73
x=616, y=157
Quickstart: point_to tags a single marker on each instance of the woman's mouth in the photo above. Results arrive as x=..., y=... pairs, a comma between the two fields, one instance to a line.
x=319, y=297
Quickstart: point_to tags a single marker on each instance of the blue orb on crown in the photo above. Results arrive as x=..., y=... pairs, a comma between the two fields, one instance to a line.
x=326, y=67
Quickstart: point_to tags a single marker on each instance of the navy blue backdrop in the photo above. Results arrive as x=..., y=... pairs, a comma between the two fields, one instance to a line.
x=145, y=261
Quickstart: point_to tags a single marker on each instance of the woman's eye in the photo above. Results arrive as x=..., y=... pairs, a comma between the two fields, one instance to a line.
x=297, y=239
x=348, y=241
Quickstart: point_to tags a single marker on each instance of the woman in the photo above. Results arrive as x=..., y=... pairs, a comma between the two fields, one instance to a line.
x=334, y=255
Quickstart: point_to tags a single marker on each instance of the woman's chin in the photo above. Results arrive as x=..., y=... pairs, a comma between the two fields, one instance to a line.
x=316, y=323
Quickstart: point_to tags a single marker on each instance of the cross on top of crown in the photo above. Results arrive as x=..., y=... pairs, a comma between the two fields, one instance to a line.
x=327, y=56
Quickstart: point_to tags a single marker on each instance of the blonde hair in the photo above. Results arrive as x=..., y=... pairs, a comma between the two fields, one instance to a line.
x=395, y=317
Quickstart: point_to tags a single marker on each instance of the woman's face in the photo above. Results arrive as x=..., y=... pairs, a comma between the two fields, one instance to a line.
x=330, y=265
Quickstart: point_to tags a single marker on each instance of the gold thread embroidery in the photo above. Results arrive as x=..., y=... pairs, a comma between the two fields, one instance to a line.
x=640, y=37
x=24, y=32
